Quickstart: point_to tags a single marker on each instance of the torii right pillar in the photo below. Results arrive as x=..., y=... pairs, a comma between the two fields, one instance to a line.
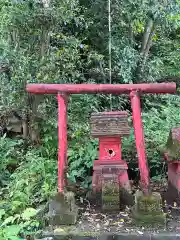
x=148, y=206
x=140, y=142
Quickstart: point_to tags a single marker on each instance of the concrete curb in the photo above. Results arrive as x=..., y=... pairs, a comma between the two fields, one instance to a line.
x=114, y=236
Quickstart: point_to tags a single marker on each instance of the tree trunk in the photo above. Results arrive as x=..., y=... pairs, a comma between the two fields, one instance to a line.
x=146, y=35
x=145, y=47
x=33, y=102
x=25, y=128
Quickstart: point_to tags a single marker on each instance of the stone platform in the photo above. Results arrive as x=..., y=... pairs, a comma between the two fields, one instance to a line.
x=93, y=225
x=112, y=236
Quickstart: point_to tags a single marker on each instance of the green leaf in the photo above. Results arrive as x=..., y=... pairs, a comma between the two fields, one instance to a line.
x=12, y=230
x=8, y=220
x=28, y=213
x=15, y=238
x=2, y=213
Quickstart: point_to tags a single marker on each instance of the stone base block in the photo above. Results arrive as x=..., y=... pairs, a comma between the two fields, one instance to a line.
x=158, y=219
x=110, y=203
x=148, y=203
x=62, y=209
x=148, y=209
x=63, y=219
x=110, y=195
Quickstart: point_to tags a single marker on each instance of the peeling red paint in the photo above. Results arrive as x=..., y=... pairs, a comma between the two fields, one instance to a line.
x=62, y=139
x=140, y=142
x=146, y=88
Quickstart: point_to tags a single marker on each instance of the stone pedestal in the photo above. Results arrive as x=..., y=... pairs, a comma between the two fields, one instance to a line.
x=62, y=209
x=114, y=165
x=68, y=218
x=107, y=183
x=148, y=209
x=114, y=172
x=110, y=194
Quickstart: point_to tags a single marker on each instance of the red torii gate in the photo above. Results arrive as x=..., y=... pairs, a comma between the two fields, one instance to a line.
x=134, y=90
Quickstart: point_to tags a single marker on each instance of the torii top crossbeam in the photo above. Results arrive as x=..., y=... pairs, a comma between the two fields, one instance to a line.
x=134, y=90
x=159, y=88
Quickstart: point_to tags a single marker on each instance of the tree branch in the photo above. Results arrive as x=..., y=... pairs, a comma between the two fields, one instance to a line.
x=145, y=47
x=146, y=35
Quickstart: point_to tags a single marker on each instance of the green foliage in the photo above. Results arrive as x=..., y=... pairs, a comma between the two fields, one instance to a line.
x=81, y=157
x=37, y=171
x=160, y=115
x=11, y=157
x=13, y=227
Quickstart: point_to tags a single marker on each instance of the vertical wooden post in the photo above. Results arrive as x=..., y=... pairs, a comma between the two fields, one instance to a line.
x=139, y=137
x=62, y=139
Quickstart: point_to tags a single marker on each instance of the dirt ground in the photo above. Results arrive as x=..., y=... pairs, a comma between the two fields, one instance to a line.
x=93, y=222
x=91, y=219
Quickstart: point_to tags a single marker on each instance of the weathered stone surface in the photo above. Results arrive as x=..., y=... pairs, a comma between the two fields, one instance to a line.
x=122, y=236
x=149, y=204
x=109, y=124
x=165, y=236
x=110, y=194
x=64, y=218
x=118, y=236
x=148, y=209
x=172, y=147
x=62, y=209
x=126, y=198
x=84, y=238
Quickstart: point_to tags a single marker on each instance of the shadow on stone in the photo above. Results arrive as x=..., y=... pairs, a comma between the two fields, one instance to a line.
x=172, y=195
x=127, y=198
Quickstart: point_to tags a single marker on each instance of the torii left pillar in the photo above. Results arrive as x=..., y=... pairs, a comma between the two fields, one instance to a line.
x=62, y=140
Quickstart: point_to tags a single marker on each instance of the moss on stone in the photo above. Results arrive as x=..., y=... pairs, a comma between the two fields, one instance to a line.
x=64, y=230
x=148, y=204
x=110, y=187
x=62, y=209
x=149, y=219
x=88, y=234
x=172, y=147
x=69, y=231
x=110, y=195
x=148, y=209
x=111, y=198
